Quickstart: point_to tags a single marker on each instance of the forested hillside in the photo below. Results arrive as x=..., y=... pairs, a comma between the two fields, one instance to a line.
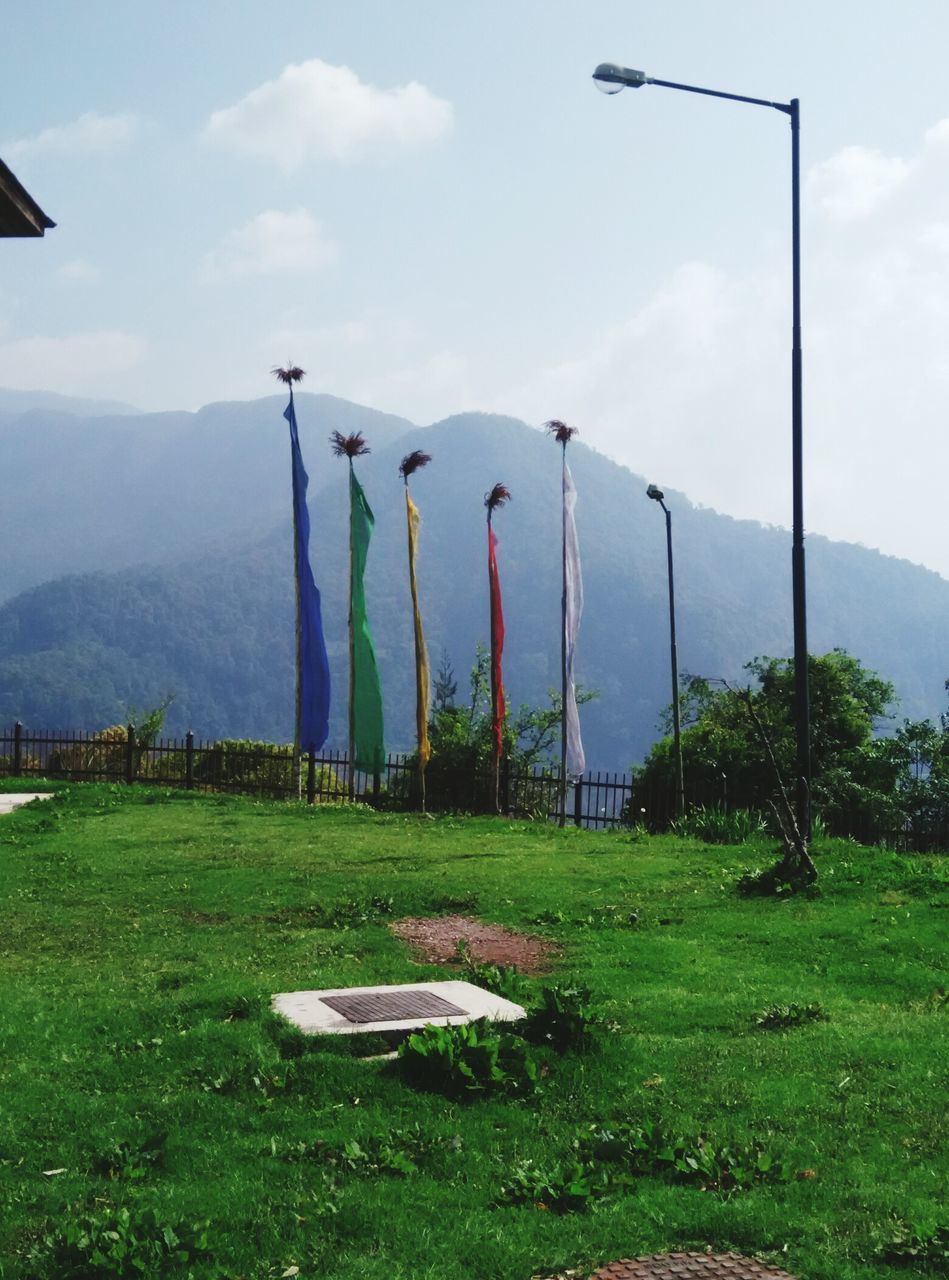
x=215, y=628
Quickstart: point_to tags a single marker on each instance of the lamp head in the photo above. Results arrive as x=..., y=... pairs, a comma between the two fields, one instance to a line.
x=655, y=493
x=609, y=77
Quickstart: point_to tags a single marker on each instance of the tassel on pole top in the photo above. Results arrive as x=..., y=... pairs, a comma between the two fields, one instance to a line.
x=560, y=431
x=413, y=462
x=496, y=498
x=351, y=446
x=288, y=376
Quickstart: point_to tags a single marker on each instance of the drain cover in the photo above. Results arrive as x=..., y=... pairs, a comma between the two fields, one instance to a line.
x=392, y=1006
x=669, y=1266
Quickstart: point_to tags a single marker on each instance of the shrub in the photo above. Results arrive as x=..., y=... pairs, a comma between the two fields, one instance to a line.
x=471, y=1058
x=715, y=825
x=101, y=756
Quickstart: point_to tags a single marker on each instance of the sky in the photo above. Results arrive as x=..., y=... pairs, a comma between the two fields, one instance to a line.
x=430, y=208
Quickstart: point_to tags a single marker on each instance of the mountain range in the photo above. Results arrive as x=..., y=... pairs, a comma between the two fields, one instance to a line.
x=150, y=554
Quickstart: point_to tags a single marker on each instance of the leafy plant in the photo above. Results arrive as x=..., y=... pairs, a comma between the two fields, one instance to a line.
x=771, y=882
x=399, y=1152
x=470, y=1058
x=565, y=1018
x=725, y=1167
x=567, y=1187
x=131, y=1160
x=914, y=1246
x=502, y=979
x=778, y=1016
x=121, y=1242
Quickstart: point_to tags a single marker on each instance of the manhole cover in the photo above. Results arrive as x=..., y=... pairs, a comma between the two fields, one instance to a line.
x=395, y=1006
x=670, y=1266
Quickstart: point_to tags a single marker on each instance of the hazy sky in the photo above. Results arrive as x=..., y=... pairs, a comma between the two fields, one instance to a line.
x=430, y=208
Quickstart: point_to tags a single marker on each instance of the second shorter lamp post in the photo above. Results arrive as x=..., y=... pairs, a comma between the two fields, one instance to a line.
x=658, y=496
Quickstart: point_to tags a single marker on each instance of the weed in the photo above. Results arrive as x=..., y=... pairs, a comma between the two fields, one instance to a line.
x=502, y=979
x=725, y=1168
x=773, y=881
x=778, y=1016
x=466, y=1059
x=565, y=1018
x=120, y=1242
x=566, y=1187
x=131, y=1160
x=914, y=1246
x=399, y=1152
x=358, y=911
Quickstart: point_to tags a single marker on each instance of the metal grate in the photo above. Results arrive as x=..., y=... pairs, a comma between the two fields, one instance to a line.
x=392, y=1006
x=671, y=1266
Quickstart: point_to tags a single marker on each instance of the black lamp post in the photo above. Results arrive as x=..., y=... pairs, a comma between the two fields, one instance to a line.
x=611, y=79
x=657, y=495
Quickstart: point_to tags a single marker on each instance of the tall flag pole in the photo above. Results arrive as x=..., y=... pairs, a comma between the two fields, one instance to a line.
x=496, y=498
x=572, y=761
x=366, y=731
x=411, y=463
x=312, y=702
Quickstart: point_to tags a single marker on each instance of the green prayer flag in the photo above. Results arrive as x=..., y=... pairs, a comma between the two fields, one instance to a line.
x=366, y=688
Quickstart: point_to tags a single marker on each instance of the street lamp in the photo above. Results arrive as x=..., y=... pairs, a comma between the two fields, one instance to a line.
x=657, y=495
x=611, y=78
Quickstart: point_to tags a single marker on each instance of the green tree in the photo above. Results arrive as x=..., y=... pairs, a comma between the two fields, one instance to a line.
x=458, y=774
x=722, y=752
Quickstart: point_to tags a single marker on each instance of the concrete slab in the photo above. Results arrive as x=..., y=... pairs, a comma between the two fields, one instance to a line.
x=309, y=1011
x=12, y=800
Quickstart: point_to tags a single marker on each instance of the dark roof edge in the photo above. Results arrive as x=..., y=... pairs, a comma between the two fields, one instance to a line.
x=13, y=193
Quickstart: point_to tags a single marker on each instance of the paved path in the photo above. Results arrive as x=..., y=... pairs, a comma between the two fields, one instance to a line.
x=13, y=800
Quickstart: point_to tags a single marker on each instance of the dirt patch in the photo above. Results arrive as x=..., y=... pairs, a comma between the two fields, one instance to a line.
x=436, y=939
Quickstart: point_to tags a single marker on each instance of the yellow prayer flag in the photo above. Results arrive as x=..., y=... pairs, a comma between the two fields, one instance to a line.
x=421, y=653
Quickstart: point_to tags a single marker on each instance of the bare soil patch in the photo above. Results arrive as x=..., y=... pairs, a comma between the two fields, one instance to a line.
x=436, y=940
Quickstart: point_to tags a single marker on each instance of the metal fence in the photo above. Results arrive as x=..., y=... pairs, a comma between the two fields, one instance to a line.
x=596, y=801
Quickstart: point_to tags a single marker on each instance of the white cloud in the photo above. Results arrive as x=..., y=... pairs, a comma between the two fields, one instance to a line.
x=270, y=244
x=692, y=390
x=854, y=182
x=76, y=363
x=90, y=134
x=78, y=271
x=315, y=110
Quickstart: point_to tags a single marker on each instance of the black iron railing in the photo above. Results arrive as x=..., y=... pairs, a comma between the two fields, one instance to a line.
x=596, y=801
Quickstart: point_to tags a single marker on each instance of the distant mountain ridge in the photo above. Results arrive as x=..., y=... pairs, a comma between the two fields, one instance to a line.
x=16, y=402
x=110, y=492
x=215, y=626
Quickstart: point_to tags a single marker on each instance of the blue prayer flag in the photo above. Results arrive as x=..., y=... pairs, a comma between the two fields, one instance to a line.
x=314, y=671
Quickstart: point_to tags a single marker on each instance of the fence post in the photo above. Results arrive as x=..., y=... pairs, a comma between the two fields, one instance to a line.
x=376, y=784
x=578, y=803
x=189, y=760
x=130, y=755
x=311, y=778
x=17, y=749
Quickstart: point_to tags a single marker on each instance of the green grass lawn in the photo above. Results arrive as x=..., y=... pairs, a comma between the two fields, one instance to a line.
x=143, y=933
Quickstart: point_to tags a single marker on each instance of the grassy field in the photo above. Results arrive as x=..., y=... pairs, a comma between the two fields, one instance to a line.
x=147, y=1092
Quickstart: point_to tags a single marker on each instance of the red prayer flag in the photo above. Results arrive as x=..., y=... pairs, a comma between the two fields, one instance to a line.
x=497, y=644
